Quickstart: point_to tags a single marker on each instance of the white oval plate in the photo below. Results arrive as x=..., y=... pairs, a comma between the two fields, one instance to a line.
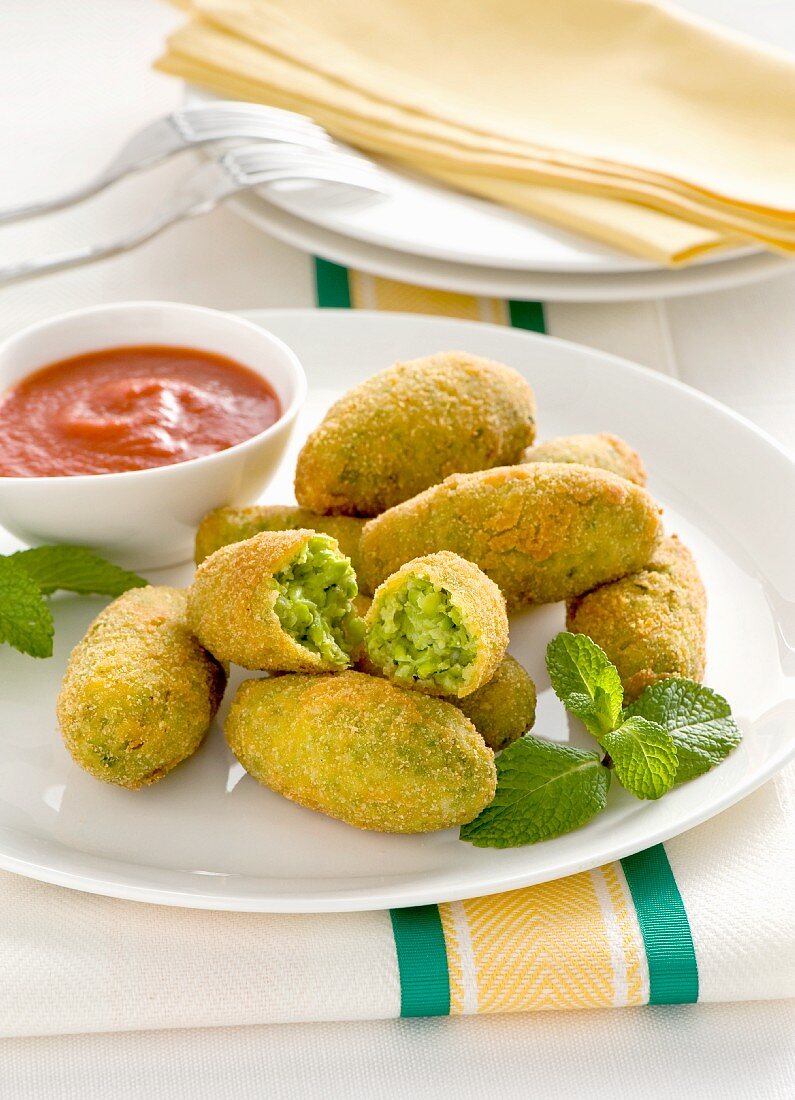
x=505, y=283
x=210, y=837
x=423, y=218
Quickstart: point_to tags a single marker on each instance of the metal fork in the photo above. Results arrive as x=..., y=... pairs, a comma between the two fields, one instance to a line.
x=234, y=171
x=191, y=126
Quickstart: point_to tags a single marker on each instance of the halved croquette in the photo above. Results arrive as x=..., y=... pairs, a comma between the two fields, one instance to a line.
x=281, y=600
x=438, y=625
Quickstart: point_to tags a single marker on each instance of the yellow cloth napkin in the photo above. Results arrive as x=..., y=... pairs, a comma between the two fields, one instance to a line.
x=239, y=72
x=615, y=117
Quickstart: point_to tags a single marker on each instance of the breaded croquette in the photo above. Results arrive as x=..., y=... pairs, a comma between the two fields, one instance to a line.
x=281, y=600
x=605, y=451
x=225, y=525
x=438, y=625
x=139, y=692
x=651, y=624
x=504, y=708
x=543, y=532
x=411, y=425
x=362, y=604
x=363, y=750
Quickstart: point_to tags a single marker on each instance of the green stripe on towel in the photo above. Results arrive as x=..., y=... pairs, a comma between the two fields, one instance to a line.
x=527, y=315
x=332, y=287
x=673, y=970
x=422, y=961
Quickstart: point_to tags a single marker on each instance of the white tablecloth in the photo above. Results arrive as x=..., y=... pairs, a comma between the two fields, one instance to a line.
x=74, y=80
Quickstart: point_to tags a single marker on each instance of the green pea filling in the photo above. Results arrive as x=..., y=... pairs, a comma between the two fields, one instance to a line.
x=314, y=601
x=419, y=635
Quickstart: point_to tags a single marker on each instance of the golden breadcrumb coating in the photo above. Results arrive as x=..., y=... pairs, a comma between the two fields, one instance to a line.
x=411, y=425
x=139, y=691
x=543, y=531
x=363, y=750
x=605, y=451
x=651, y=624
x=504, y=708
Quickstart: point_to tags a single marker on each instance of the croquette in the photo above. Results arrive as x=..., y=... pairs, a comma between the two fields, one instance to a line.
x=651, y=624
x=605, y=451
x=362, y=749
x=504, y=708
x=410, y=426
x=438, y=625
x=542, y=531
x=225, y=525
x=362, y=604
x=281, y=600
x=139, y=691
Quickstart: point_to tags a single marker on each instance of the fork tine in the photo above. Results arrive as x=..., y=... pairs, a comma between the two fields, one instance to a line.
x=225, y=108
x=226, y=115
x=255, y=158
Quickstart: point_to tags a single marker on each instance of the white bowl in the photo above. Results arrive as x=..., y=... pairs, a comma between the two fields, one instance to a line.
x=144, y=519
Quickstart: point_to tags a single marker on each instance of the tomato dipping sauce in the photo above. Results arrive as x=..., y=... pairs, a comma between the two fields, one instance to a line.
x=129, y=408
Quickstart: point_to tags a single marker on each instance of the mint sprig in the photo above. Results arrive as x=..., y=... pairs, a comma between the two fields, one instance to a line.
x=675, y=731
x=644, y=757
x=75, y=569
x=25, y=619
x=27, y=576
x=698, y=720
x=585, y=681
x=543, y=790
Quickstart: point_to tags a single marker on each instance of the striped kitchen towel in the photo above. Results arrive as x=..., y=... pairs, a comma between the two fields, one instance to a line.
x=706, y=917
x=338, y=288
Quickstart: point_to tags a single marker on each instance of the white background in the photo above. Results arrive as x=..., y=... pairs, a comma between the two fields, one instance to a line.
x=74, y=81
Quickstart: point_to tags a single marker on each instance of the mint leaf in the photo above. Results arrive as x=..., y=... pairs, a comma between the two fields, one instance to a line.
x=585, y=681
x=644, y=757
x=543, y=790
x=76, y=569
x=25, y=620
x=697, y=718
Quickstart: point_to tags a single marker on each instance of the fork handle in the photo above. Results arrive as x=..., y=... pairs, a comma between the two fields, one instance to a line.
x=199, y=194
x=60, y=261
x=145, y=149
x=67, y=198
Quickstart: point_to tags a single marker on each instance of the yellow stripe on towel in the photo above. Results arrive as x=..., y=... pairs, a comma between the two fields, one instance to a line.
x=571, y=943
x=374, y=292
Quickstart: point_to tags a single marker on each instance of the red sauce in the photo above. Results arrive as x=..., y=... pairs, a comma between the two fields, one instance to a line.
x=129, y=408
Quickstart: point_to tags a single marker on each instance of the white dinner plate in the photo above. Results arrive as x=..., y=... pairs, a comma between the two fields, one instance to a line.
x=504, y=283
x=423, y=218
x=209, y=836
